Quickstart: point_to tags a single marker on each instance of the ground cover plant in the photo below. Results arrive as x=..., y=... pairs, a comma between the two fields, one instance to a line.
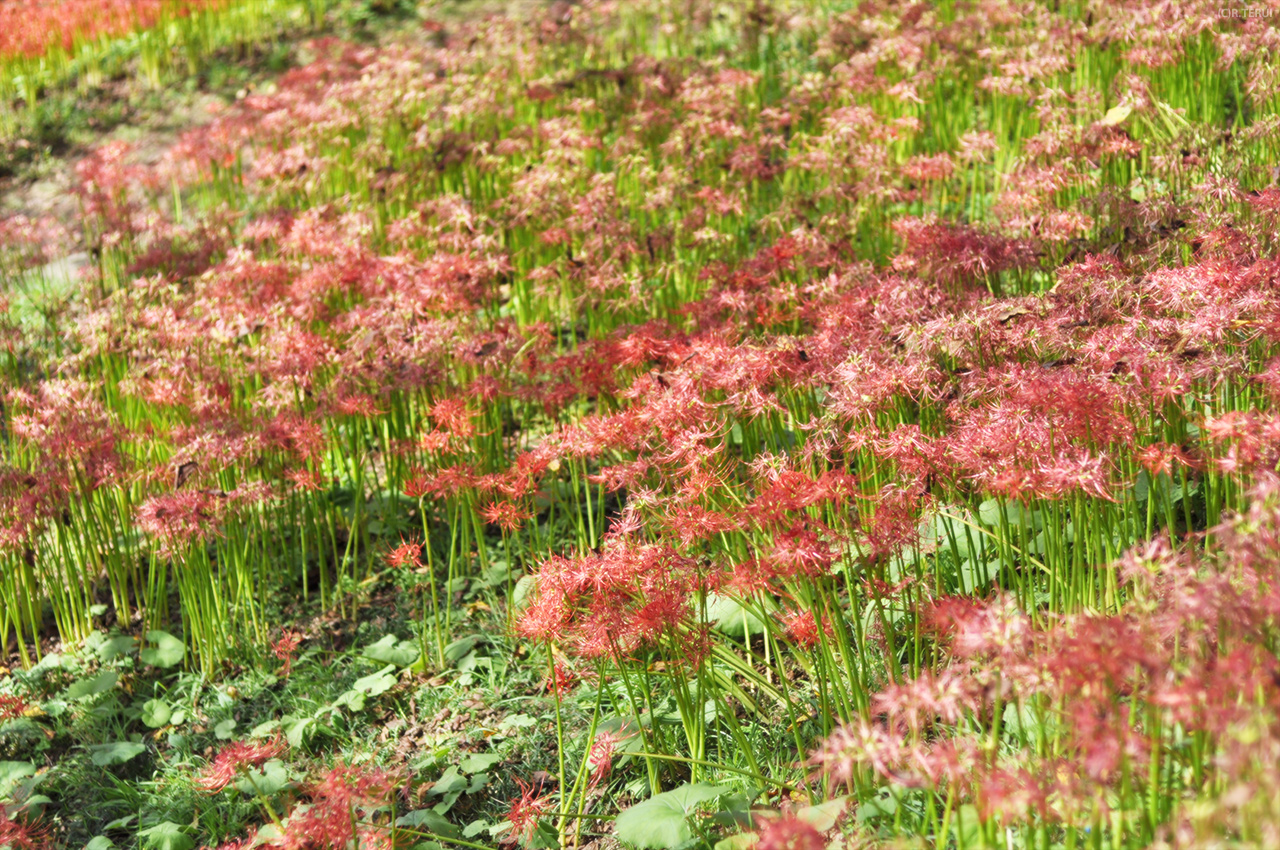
x=663, y=424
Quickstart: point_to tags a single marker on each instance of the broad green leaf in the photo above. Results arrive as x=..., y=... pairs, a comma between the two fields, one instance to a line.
x=480, y=762
x=117, y=753
x=475, y=828
x=114, y=647
x=389, y=650
x=967, y=826
x=450, y=781
x=298, y=729
x=13, y=772
x=264, y=729
x=461, y=648
x=522, y=593
x=167, y=652
x=166, y=836
x=730, y=617
x=824, y=816
x=428, y=820
x=100, y=842
x=35, y=801
x=376, y=683
x=947, y=528
x=517, y=721
x=1016, y=515
x=741, y=841
x=351, y=699
x=225, y=729
x=662, y=821
x=881, y=806
x=270, y=779
x=974, y=576
x=156, y=713
x=268, y=834
x=100, y=683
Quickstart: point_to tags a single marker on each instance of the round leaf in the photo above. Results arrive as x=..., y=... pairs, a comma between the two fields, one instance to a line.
x=167, y=652
x=85, y=688
x=117, y=753
x=661, y=822
x=156, y=713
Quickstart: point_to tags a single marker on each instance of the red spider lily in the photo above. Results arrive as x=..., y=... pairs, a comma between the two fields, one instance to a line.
x=603, y=749
x=180, y=519
x=23, y=835
x=614, y=602
x=527, y=809
x=13, y=707
x=234, y=760
x=953, y=255
x=561, y=680
x=334, y=816
x=285, y=649
x=31, y=29
x=506, y=515
x=789, y=833
x=1189, y=650
x=237, y=844
x=803, y=628
x=406, y=555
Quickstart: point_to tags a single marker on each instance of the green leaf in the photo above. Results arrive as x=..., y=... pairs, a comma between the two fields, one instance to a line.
x=731, y=618
x=882, y=805
x=389, y=650
x=662, y=821
x=475, y=828
x=478, y=763
x=428, y=820
x=967, y=826
x=449, y=782
x=517, y=721
x=264, y=729
x=451, y=786
x=824, y=816
x=522, y=593
x=117, y=753
x=461, y=648
x=351, y=699
x=741, y=841
x=100, y=683
x=100, y=842
x=298, y=729
x=35, y=801
x=271, y=779
x=376, y=683
x=268, y=834
x=1015, y=515
x=974, y=576
x=168, y=650
x=167, y=836
x=13, y=772
x=225, y=729
x=156, y=713
x=114, y=647
x=946, y=528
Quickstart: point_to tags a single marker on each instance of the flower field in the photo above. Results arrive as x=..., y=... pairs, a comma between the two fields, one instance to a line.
x=659, y=424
